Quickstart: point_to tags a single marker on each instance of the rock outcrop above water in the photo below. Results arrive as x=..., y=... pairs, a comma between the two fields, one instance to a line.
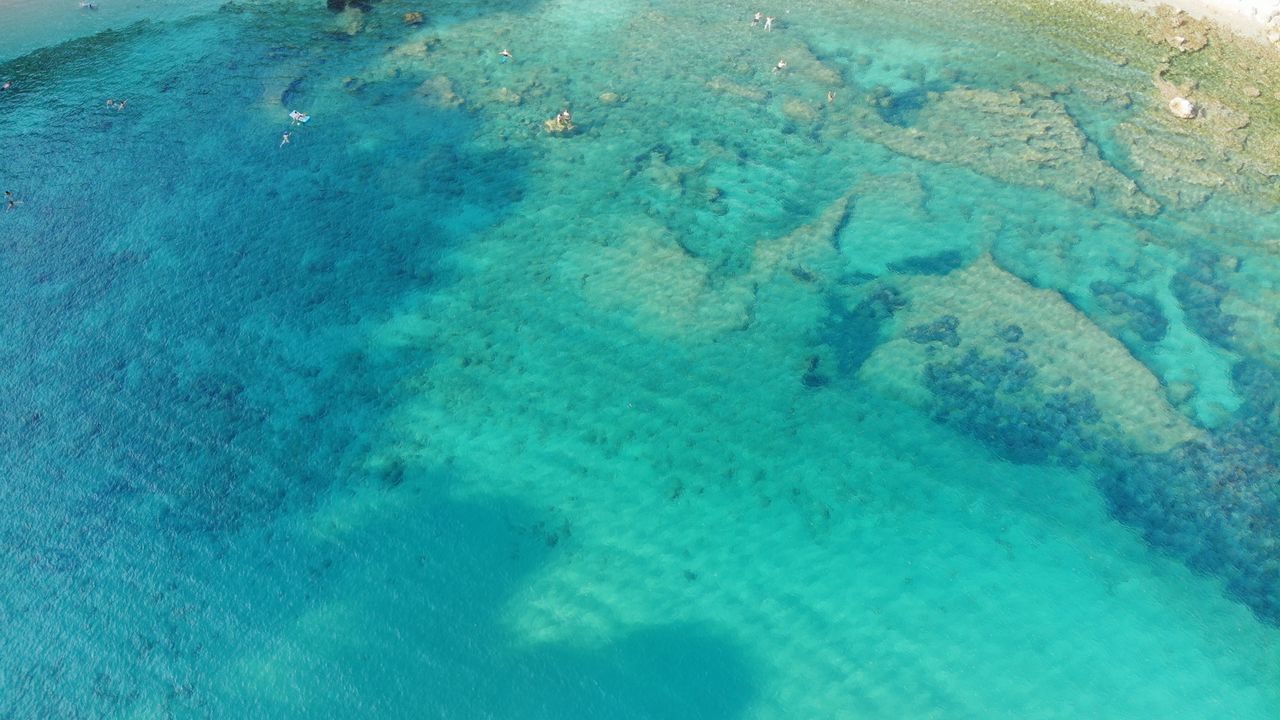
x=1183, y=108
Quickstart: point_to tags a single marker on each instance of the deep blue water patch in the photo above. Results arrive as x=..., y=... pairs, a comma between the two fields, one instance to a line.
x=853, y=333
x=936, y=264
x=186, y=308
x=427, y=638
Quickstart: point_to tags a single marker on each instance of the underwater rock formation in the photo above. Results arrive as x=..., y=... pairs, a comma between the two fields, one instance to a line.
x=983, y=310
x=983, y=395
x=1138, y=314
x=438, y=92
x=1200, y=291
x=1214, y=504
x=942, y=330
x=1184, y=184
x=1024, y=137
x=1022, y=371
x=647, y=276
x=729, y=87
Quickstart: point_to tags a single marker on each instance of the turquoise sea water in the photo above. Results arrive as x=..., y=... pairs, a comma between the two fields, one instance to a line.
x=939, y=400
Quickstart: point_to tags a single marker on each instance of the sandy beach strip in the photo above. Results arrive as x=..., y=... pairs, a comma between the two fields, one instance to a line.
x=1258, y=19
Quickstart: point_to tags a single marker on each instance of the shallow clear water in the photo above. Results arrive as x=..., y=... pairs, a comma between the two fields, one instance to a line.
x=934, y=401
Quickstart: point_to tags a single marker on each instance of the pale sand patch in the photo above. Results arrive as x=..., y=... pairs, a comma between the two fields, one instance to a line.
x=1250, y=18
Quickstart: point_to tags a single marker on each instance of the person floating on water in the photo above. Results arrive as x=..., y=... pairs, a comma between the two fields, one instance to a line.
x=506, y=55
x=782, y=65
x=284, y=139
x=755, y=20
x=768, y=23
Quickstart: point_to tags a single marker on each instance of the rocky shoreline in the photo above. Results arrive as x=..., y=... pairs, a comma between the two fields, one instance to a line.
x=1258, y=19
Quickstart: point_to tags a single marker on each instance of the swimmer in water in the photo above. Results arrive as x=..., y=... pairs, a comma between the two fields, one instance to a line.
x=755, y=20
x=782, y=65
x=11, y=200
x=768, y=23
x=284, y=139
x=831, y=96
x=8, y=84
x=506, y=55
